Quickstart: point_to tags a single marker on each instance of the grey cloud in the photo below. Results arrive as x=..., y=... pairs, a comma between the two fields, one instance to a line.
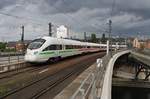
x=129, y=16
x=4, y=3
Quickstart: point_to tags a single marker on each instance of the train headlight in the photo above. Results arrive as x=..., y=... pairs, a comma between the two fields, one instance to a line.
x=35, y=52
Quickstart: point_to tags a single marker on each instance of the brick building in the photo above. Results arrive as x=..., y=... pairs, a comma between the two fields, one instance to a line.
x=141, y=43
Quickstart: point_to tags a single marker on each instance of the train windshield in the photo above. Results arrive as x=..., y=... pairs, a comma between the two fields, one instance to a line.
x=36, y=44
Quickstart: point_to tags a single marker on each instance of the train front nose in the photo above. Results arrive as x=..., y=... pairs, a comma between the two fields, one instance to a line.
x=29, y=56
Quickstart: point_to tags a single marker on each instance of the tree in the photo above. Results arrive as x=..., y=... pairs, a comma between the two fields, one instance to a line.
x=103, y=39
x=2, y=46
x=93, y=38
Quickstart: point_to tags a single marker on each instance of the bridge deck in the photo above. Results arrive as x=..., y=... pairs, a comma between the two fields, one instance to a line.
x=142, y=58
x=130, y=83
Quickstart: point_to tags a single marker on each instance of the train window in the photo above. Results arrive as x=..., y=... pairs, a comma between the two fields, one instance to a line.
x=84, y=47
x=46, y=49
x=69, y=47
x=53, y=47
x=35, y=44
x=74, y=46
x=59, y=47
x=79, y=46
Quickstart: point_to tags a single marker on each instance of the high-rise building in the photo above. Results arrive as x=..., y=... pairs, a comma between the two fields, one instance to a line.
x=62, y=32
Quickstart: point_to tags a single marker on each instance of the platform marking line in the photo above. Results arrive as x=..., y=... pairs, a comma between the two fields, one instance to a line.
x=43, y=71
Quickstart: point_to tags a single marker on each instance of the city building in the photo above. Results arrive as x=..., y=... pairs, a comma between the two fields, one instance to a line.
x=20, y=47
x=11, y=45
x=62, y=32
x=147, y=45
x=138, y=43
x=141, y=43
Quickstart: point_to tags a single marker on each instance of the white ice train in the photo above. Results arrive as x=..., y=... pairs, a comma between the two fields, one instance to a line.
x=49, y=48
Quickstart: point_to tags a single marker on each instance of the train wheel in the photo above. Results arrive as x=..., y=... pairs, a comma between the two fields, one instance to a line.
x=50, y=60
x=54, y=59
x=58, y=58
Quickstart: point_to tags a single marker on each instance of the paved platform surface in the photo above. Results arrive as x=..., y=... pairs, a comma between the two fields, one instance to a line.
x=71, y=88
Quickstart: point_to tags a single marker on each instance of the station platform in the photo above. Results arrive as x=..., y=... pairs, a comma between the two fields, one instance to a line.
x=67, y=92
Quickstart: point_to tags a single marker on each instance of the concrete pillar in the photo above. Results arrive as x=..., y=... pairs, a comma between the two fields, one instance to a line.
x=107, y=48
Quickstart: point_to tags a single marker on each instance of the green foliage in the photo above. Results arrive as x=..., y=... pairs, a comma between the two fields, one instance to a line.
x=4, y=49
x=2, y=46
x=103, y=39
x=93, y=38
x=10, y=50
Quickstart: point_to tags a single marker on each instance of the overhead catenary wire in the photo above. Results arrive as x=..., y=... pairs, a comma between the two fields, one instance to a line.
x=110, y=25
x=74, y=19
x=112, y=8
x=34, y=21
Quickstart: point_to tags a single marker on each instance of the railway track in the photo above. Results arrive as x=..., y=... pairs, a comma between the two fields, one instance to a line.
x=52, y=85
x=53, y=81
x=29, y=68
x=57, y=82
x=16, y=72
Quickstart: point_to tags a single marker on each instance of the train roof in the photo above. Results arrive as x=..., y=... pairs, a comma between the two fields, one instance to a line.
x=69, y=42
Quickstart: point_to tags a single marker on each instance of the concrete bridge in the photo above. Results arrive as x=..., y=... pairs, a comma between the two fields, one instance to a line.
x=124, y=68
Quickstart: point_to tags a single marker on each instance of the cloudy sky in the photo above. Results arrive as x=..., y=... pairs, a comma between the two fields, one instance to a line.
x=129, y=17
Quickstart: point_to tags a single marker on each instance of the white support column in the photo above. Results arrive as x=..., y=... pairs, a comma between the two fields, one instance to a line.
x=107, y=48
x=117, y=46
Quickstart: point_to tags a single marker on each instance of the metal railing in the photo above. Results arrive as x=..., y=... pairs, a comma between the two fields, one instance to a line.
x=11, y=62
x=6, y=68
x=4, y=54
x=11, y=59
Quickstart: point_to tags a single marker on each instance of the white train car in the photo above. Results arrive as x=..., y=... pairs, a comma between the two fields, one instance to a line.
x=49, y=48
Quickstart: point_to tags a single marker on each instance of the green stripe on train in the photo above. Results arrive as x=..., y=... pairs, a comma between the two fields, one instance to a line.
x=64, y=51
x=47, y=53
x=60, y=52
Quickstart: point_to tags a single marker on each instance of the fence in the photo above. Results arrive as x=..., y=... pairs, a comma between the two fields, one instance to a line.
x=11, y=59
x=10, y=62
x=10, y=67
